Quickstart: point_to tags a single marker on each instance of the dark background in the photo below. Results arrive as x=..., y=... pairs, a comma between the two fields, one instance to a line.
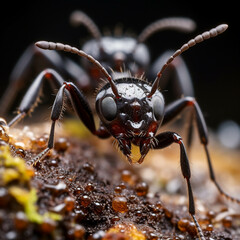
x=214, y=64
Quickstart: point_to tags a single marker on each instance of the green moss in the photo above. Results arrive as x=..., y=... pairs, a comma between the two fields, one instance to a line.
x=28, y=200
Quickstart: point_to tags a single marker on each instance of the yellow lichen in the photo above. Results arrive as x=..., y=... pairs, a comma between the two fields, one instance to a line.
x=9, y=175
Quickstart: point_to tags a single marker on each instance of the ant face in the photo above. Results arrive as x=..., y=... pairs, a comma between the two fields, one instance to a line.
x=133, y=118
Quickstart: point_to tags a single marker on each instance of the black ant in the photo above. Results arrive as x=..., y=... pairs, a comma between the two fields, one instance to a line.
x=124, y=54
x=130, y=109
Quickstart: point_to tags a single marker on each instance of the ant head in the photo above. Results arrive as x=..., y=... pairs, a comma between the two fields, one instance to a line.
x=133, y=117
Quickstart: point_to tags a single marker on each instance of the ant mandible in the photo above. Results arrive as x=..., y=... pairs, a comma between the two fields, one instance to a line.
x=130, y=109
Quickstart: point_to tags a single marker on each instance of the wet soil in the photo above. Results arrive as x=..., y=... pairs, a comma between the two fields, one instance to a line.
x=88, y=193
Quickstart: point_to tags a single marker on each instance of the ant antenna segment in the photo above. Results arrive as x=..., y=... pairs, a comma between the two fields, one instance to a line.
x=199, y=38
x=78, y=18
x=175, y=23
x=67, y=48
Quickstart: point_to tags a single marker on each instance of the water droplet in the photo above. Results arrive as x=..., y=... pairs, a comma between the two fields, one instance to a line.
x=119, y=204
x=85, y=201
x=227, y=221
x=70, y=203
x=183, y=224
x=141, y=189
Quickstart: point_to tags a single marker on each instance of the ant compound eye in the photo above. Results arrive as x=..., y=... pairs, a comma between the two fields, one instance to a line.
x=109, y=108
x=158, y=108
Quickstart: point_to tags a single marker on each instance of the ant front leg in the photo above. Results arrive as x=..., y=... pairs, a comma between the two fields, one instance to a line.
x=164, y=140
x=178, y=106
x=77, y=99
x=80, y=106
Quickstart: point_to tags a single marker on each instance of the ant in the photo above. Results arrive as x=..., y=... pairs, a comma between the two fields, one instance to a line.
x=130, y=109
x=124, y=54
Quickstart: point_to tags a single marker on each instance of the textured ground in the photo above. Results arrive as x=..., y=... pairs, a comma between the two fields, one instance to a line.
x=85, y=189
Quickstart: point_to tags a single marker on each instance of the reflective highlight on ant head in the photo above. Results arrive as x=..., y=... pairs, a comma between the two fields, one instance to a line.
x=133, y=118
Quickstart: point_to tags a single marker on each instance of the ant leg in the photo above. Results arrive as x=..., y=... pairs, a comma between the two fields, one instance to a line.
x=83, y=110
x=31, y=97
x=173, y=110
x=164, y=140
x=32, y=62
x=80, y=106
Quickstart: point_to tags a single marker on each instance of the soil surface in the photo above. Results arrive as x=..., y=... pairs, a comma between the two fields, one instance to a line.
x=84, y=190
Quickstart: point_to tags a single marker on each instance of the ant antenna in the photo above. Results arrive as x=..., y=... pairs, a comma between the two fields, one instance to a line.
x=176, y=23
x=78, y=18
x=62, y=47
x=200, y=38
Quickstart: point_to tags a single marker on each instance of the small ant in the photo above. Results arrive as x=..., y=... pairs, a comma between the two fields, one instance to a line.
x=130, y=109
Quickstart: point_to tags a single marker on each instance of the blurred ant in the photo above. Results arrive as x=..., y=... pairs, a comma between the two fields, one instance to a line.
x=130, y=109
x=124, y=54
